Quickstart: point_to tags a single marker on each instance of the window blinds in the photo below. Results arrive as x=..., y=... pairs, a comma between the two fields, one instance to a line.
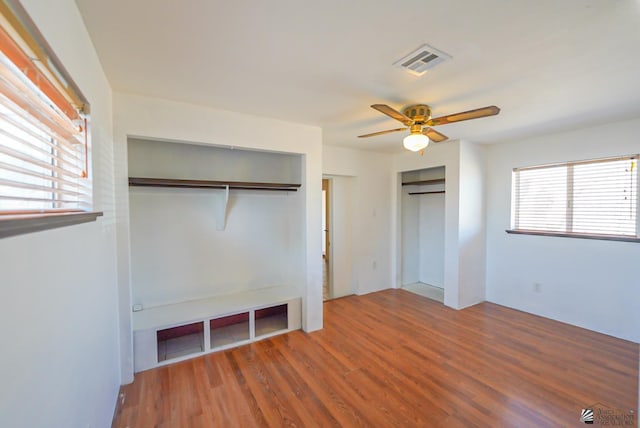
x=43, y=134
x=589, y=197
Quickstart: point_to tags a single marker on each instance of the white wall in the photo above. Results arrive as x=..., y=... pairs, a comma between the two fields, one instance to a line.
x=148, y=158
x=471, y=232
x=58, y=312
x=371, y=216
x=178, y=254
x=589, y=283
x=157, y=119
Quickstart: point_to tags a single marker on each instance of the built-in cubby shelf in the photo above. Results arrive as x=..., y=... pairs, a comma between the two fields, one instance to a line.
x=175, y=332
x=230, y=329
x=271, y=319
x=179, y=341
x=211, y=184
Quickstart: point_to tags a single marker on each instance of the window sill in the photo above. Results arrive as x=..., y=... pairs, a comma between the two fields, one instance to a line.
x=575, y=235
x=12, y=225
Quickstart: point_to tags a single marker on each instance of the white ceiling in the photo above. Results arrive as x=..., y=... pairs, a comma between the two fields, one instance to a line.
x=549, y=65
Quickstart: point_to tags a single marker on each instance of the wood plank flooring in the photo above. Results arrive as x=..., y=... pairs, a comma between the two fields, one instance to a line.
x=396, y=359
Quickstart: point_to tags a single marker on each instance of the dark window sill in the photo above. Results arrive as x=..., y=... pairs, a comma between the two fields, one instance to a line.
x=20, y=224
x=575, y=235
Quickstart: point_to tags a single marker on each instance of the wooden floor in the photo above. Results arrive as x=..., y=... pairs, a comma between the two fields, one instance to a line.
x=396, y=359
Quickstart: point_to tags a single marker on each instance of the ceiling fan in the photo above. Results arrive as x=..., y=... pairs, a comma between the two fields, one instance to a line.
x=417, y=118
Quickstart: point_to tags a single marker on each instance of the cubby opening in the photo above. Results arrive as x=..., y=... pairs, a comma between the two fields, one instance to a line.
x=229, y=329
x=271, y=319
x=180, y=341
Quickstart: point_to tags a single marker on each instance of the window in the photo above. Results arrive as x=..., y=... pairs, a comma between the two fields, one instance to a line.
x=44, y=151
x=595, y=198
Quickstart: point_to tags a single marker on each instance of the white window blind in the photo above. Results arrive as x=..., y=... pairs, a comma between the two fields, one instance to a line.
x=43, y=131
x=596, y=197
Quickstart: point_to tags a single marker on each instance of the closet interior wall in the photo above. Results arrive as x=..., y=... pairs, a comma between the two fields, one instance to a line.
x=178, y=250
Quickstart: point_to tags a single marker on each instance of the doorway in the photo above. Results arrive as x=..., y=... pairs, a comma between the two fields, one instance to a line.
x=338, y=214
x=326, y=240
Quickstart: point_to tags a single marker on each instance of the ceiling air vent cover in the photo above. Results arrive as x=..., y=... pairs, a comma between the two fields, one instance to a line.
x=421, y=60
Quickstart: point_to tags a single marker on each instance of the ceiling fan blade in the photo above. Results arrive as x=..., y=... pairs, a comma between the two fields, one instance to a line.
x=465, y=115
x=434, y=135
x=373, y=134
x=393, y=113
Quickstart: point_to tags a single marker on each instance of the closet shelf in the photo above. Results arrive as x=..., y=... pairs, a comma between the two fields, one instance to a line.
x=190, y=311
x=221, y=210
x=426, y=193
x=211, y=184
x=421, y=182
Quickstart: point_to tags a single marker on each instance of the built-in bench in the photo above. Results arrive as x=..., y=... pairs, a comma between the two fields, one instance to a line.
x=175, y=332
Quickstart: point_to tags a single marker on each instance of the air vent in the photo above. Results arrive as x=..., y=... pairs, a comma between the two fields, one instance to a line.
x=421, y=60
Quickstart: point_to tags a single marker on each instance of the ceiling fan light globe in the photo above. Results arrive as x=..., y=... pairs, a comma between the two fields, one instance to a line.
x=415, y=142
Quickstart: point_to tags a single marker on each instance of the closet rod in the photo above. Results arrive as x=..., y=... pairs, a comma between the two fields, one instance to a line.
x=421, y=182
x=426, y=193
x=210, y=184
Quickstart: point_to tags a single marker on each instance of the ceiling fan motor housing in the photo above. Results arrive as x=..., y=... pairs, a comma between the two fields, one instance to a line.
x=419, y=113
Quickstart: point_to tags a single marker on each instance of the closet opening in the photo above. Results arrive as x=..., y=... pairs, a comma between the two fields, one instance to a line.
x=423, y=221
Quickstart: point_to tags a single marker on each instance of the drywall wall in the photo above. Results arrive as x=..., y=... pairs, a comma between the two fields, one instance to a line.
x=588, y=283
x=371, y=213
x=179, y=251
x=58, y=312
x=471, y=224
x=162, y=120
x=149, y=158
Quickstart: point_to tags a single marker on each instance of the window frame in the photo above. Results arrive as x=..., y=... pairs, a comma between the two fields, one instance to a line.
x=569, y=207
x=26, y=32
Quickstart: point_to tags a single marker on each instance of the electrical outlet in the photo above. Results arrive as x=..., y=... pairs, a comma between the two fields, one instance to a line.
x=374, y=265
x=537, y=287
x=137, y=308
